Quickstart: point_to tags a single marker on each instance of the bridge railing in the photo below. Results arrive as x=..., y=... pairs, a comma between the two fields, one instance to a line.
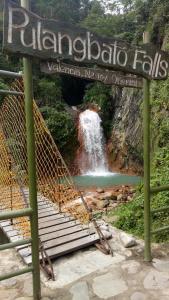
x=156, y=190
x=27, y=212
x=32, y=210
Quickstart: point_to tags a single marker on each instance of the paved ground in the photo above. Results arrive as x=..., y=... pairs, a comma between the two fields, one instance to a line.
x=91, y=275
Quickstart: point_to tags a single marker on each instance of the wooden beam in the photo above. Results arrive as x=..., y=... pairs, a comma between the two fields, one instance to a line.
x=105, y=76
x=27, y=34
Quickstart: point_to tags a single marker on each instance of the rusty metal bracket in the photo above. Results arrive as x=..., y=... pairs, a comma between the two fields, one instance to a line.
x=46, y=264
x=104, y=245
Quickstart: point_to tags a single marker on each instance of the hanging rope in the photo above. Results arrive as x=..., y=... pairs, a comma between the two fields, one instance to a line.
x=54, y=181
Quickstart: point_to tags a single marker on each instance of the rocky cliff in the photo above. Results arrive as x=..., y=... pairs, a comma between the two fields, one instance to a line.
x=125, y=145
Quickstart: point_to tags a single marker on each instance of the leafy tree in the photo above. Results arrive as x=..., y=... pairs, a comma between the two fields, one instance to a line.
x=100, y=23
x=65, y=10
x=97, y=93
x=85, y=6
x=3, y=86
x=62, y=128
x=121, y=25
x=100, y=94
x=48, y=91
x=131, y=214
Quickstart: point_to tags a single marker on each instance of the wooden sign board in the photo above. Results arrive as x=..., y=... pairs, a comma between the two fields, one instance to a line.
x=107, y=77
x=27, y=34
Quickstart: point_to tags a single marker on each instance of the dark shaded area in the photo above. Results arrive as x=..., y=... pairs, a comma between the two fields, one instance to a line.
x=3, y=238
x=73, y=89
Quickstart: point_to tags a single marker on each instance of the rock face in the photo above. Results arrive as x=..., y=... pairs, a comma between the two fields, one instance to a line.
x=109, y=285
x=125, y=144
x=127, y=240
x=155, y=280
x=103, y=200
x=80, y=291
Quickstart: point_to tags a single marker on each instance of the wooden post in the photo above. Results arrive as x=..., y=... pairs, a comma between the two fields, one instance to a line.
x=28, y=87
x=146, y=126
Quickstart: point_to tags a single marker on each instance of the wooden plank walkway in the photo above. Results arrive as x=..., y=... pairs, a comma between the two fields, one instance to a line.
x=59, y=233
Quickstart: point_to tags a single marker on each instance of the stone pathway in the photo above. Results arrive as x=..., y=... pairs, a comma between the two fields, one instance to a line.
x=91, y=275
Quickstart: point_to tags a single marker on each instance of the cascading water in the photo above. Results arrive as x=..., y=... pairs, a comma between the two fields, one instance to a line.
x=91, y=156
x=92, y=160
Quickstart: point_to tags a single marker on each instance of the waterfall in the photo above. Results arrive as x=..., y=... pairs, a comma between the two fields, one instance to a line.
x=92, y=159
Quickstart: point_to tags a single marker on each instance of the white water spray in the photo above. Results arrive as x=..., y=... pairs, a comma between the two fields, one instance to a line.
x=93, y=159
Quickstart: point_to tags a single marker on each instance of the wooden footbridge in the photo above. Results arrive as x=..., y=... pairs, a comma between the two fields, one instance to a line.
x=59, y=233
x=64, y=220
x=17, y=154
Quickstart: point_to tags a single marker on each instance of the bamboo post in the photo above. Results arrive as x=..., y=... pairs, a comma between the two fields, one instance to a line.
x=11, y=186
x=146, y=126
x=28, y=86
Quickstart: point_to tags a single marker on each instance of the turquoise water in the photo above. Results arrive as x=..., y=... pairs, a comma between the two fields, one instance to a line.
x=106, y=181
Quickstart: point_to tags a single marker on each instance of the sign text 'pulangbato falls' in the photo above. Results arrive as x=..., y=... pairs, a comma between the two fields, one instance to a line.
x=27, y=34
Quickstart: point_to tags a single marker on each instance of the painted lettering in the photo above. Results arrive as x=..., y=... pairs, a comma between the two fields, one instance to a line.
x=164, y=66
x=147, y=64
x=122, y=58
x=79, y=43
x=107, y=54
x=31, y=43
x=93, y=46
x=136, y=59
x=28, y=34
x=12, y=25
x=67, y=41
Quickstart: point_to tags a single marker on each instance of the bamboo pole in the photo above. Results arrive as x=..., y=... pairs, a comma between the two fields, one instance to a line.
x=16, y=273
x=10, y=74
x=16, y=214
x=28, y=86
x=146, y=125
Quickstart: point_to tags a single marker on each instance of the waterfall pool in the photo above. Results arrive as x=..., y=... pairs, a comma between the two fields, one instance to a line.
x=92, y=158
x=108, y=180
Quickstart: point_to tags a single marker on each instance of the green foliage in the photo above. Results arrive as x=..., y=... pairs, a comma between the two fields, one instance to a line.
x=66, y=10
x=62, y=127
x=100, y=94
x=3, y=86
x=131, y=214
x=97, y=93
x=116, y=25
x=160, y=114
x=127, y=19
x=49, y=91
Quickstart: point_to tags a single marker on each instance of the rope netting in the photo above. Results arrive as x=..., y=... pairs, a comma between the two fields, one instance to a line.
x=11, y=195
x=54, y=182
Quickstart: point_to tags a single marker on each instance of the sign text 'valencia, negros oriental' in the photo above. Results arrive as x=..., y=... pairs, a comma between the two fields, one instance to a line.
x=27, y=34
